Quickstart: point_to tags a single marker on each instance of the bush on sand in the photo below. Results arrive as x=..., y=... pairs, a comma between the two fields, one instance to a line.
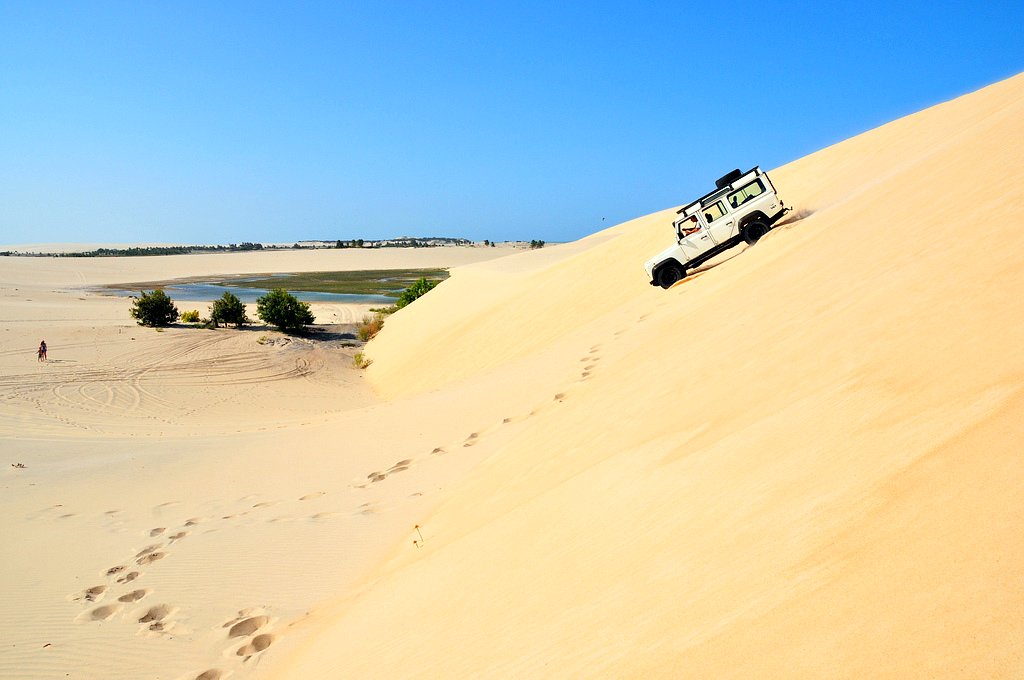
x=280, y=308
x=418, y=289
x=154, y=309
x=228, y=309
x=370, y=326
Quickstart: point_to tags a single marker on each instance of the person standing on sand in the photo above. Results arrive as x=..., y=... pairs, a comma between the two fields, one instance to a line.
x=42, y=350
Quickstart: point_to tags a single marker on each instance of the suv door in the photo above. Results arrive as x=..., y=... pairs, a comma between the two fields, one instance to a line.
x=698, y=241
x=721, y=223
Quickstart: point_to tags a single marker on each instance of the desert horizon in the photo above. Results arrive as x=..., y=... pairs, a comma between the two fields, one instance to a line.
x=802, y=460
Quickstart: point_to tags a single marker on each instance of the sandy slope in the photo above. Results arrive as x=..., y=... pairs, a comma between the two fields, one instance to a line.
x=178, y=483
x=803, y=462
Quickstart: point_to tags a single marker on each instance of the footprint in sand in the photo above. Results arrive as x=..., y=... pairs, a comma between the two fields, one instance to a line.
x=115, y=570
x=94, y=594
x=324, y=515
x=377, y=476
x=247, y=626
x=149, y=549
x=311, y=496
x=257, y=645
x=157, y=531
x=471, y=439
x=264, y=504
x=177, y=536
x=129, y=577
x=105, y=612
x=156, y=613
x=439, y=451
x=211, y=674
x=135, y=595
x=400, y=466
x=368, y=509
x=150, y=558
x=560, y=397
x=192, y=521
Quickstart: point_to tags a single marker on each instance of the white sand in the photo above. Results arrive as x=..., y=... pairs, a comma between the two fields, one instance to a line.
x=802, y=462
x=245, y=454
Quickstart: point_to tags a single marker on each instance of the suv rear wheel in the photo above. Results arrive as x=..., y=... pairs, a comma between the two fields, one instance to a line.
x=669, y=275
x=753, y=232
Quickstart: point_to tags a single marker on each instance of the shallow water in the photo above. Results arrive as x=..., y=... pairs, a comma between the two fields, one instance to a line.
x=201, y=292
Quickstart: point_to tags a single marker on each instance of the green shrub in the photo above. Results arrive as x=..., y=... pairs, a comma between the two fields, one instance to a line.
x=280, y=308
x=154, y=309
x=191, y=316
x=228, y=309
x=419, y=288
x=361, y=361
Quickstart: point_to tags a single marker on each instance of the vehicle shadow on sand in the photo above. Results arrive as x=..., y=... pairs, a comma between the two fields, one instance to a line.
x=796, y=216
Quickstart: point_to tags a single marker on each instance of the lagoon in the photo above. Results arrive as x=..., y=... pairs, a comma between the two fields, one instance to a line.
x=204, y=292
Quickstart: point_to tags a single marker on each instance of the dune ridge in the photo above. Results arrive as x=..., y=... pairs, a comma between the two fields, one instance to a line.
x=804, y=461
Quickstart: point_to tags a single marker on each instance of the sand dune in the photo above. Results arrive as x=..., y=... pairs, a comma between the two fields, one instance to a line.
x=175, y=501
x=801, y=461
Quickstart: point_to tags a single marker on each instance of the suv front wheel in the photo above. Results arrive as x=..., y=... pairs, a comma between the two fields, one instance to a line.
x=669, y=275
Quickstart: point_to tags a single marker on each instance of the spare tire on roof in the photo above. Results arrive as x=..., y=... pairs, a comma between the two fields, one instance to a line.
x=726, y=180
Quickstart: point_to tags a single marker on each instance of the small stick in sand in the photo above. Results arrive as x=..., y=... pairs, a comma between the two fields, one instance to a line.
x=417, y=527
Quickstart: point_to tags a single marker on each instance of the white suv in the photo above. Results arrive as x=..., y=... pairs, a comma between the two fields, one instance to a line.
x=743, y=207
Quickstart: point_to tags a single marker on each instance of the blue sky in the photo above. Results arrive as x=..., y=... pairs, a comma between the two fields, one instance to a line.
x=225, y=122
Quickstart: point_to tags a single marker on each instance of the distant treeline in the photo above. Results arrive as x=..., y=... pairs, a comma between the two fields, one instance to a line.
x=165, y=250
x=401, y=242
x=426, y=242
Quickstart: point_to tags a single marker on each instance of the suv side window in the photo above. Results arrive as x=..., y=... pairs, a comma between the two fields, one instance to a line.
x=738, y=198
x=713, y=212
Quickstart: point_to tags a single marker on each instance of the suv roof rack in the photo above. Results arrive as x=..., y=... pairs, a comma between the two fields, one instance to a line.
x=732, y=177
